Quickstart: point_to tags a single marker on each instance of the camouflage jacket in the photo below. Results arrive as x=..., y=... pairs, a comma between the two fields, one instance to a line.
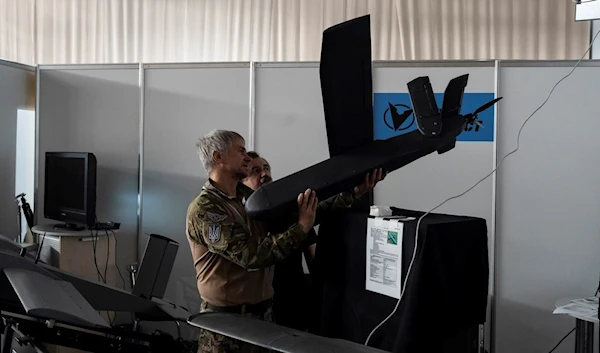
x=219, y=222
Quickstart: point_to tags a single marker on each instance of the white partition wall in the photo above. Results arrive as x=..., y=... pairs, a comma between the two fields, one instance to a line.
x=17, y=93
x=95, y=109
x=182, y=102
x=289, y=122
x=548, y=235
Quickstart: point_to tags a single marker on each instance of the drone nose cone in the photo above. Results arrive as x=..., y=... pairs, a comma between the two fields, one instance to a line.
x=257, y=204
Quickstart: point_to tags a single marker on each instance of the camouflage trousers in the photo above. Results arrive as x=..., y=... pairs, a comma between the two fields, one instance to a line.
x=210, y=342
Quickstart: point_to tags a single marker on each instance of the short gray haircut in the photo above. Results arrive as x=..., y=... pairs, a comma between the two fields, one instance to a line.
x=215, y=141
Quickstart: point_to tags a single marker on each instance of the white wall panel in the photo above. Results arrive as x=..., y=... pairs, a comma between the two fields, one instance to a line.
x=548, y=202
x=95, y=109
x=290, y=123
x=181, y=104
x=16, y=83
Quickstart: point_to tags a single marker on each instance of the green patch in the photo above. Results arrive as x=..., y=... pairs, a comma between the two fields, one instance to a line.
x=392, y=238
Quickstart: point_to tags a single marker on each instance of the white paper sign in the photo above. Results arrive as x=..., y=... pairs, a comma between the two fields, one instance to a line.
x=384, y=256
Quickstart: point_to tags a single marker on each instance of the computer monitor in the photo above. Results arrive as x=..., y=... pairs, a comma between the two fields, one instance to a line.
x=70, y=189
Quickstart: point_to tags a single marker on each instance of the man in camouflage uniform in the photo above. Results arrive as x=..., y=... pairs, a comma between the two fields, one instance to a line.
x=291, y=299
x=233, y=255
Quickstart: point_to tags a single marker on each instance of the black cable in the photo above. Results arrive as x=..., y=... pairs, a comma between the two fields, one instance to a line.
x=95, y=258
x=116, y=257
x=107, y=257
x=99, y=274
x=39, y=252
x=95, y=247
x=104, y=278
x=559, y=342
x=98, y=227
x=111, y=320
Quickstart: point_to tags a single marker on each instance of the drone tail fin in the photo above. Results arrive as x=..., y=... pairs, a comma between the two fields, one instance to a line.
x=425, y=109
x=453, y=96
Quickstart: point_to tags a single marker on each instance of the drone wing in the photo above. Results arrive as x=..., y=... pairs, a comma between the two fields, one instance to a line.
x=275, y=337
x=43, y=296
x=102, y=297
x=347, y=88
x=346, y=84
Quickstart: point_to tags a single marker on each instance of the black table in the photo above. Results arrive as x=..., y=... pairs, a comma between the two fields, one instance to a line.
x=446, y=295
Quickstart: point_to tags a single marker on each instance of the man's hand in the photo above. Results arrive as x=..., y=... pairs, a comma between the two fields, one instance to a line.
x=371, y=179
x=307, y=209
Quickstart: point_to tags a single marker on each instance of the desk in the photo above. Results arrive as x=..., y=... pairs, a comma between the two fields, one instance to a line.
x=584, y=327
x=73, y=251
x=446, y=295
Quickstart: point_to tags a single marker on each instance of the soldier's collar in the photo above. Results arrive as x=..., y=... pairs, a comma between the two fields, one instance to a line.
x=210, y=186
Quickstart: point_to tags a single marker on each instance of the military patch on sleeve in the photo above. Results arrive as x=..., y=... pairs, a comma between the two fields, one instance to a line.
x=214, y=232
x=215, y=217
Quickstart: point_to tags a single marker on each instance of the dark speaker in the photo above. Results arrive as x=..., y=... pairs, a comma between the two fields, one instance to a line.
x=155, y=269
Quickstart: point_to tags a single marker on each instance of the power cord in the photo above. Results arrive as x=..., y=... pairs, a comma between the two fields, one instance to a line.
x=101, y=277
x=111, y=320
x=107, y=258
x=564, y=338
x=94, y=243
x=469, y=189
x=116, y=256
x=39, y=252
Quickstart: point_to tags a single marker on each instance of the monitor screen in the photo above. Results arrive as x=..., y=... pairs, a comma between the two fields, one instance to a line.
x=66, y=182
x=70, y=188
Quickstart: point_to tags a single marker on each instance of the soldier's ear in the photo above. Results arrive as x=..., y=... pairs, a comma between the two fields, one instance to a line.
x=217, y=157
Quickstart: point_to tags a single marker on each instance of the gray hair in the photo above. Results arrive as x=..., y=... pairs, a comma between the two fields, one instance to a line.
x=215, y=141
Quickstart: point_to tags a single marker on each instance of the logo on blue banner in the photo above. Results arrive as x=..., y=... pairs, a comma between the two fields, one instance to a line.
x=392, y=116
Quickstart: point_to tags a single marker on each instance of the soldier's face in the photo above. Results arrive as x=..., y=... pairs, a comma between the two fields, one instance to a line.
x=259, y=173
x=236, y=160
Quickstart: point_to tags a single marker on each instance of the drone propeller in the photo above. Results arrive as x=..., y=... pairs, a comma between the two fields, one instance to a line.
x=472, y=117
x=486, y=105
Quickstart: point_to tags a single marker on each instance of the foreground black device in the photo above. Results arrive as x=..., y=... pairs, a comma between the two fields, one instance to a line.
x=346, y=85
x=40, y=303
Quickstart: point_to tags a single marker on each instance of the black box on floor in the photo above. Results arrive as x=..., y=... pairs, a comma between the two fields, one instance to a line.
x=446, y=294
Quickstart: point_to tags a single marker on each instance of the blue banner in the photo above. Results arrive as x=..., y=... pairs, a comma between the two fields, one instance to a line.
x=383, y=125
